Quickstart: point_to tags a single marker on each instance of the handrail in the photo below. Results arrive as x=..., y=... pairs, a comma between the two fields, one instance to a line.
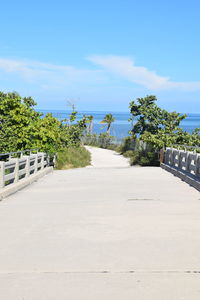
x=186, y=147
x=185, y=161
x=15, y=169
x=17, y=152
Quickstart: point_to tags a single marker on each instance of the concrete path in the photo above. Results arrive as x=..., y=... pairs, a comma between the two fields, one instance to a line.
x=96, y=233
x=102, y=158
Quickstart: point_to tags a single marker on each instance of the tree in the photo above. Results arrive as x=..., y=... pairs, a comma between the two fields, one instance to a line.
x=17, y=120
x=71, y=134
x=157, y=126
x=90, y=120
x=151, y=118
x=108, y=119
x=47, y=135
x=22, y=127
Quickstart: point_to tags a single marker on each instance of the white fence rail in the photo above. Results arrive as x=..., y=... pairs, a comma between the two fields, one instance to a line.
x=16, y=169
x=185, y=161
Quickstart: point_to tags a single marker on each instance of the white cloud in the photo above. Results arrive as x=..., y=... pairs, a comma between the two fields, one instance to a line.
x=50, y=75
x=125, y=67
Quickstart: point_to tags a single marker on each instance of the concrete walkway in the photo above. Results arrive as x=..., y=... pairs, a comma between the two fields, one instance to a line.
x=102, y=158
x=100, y=233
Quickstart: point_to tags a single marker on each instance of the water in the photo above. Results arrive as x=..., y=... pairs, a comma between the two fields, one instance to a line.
x=121, y=126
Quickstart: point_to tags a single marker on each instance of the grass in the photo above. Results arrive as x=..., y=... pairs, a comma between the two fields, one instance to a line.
x=73, y=157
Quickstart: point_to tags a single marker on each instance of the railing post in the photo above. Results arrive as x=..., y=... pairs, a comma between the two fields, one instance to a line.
x=166, y=156
x=172, y=157
x=54, y=160
x=42, y=161
x=196, y=164
x=16, y=172
x=179, y=159
x=48, y=160
x=2, y=174
x=162, y=155
x=27, y=166
x=187, y=160
x=36, y=163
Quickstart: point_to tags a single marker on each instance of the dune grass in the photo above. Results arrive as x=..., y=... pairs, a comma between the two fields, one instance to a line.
x=73, y=157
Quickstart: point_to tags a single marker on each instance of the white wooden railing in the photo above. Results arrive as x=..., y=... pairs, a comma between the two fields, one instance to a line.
x=15, y=169
x=185, y=161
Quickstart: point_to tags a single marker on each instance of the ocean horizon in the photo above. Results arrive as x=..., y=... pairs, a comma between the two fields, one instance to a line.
x=121, y=126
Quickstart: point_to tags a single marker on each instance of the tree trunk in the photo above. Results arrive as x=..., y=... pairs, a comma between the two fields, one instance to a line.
x=108, y=128
x=90, y=127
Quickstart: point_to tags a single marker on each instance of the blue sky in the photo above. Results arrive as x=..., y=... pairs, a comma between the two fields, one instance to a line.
x=101, y=54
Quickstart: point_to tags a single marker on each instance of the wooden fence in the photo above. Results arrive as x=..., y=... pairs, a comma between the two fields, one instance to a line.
x=15, y=169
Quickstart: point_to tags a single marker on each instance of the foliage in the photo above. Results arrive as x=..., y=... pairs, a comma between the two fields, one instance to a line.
x=73, y=157
x=108, y=120
x=157, y=126
x=71, y=133
x=102, y=140
x=142, y=158
x=17, y=122
x=46, y=135
x=130, y=143
x=24, y=128
x=138, y=152
x=105, y=140
x=153, y=129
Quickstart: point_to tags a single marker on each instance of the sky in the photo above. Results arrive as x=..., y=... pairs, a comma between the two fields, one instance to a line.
x=100, y=55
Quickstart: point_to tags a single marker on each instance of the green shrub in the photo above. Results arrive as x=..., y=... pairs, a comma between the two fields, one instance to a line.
x=158, y=127
x=113, y=147
x=128, y=153
x=72, y=158
x=102, y=140
x=134, y=158
x=125, y=145
x=22, y=127
x=142, y=158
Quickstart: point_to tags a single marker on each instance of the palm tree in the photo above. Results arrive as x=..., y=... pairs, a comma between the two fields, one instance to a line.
x=108, y=119
x=90, y=119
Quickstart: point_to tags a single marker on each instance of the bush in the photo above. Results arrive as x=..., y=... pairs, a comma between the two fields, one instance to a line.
x=128, y=153
x=142, y=158
x=72, y=158
x=125, y=145
x=22, y=127
x=149, y=159
x=139, y=152
x=103, y=140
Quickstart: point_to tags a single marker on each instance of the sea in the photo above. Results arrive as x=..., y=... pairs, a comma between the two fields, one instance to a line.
x=121, y=126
